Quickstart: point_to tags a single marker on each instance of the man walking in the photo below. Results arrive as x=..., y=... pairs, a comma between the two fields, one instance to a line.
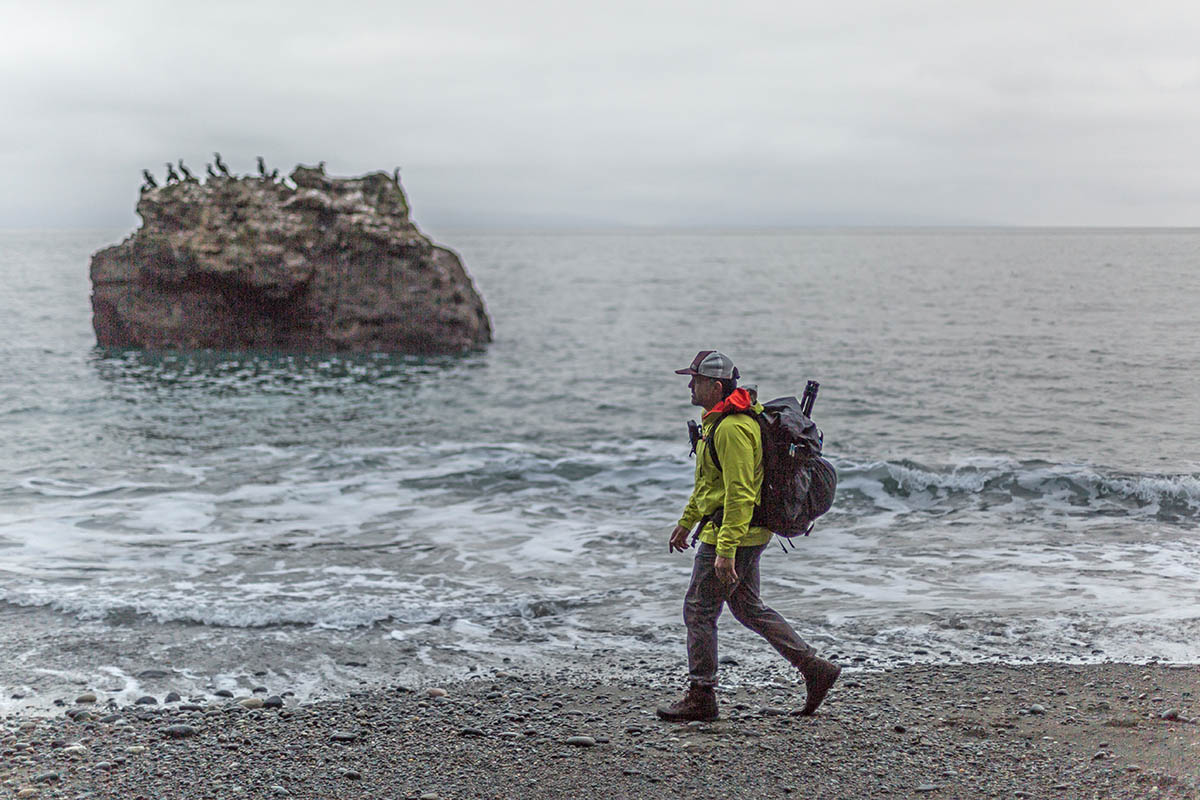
x=729, y=475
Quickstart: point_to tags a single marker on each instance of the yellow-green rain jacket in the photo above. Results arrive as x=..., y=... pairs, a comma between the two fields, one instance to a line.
x=736, y=487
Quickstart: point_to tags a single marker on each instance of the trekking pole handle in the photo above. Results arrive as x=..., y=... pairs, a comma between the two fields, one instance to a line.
x=810, y=397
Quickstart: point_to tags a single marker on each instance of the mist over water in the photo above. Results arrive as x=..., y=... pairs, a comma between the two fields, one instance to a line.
x=1012, y=414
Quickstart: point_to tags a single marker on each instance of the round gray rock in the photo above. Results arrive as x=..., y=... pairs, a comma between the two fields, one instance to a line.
x=580, y=741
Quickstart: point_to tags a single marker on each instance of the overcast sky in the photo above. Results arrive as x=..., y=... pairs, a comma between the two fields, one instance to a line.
x=561, y=113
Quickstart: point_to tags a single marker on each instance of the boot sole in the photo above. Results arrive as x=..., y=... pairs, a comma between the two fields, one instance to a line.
x=667, y=716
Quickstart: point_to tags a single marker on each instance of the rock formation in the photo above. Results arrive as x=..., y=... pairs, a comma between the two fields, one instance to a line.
x=334, y=264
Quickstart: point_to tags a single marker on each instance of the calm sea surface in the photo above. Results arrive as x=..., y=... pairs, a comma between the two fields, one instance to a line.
x=1014, y=415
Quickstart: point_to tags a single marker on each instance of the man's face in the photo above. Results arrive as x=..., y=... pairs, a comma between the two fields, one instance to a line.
x=706, y=392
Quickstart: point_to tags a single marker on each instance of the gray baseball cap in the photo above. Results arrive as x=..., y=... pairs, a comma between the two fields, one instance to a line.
x=711, y=364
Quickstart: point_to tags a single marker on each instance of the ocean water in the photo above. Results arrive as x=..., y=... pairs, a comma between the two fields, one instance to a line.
x=1013, y=414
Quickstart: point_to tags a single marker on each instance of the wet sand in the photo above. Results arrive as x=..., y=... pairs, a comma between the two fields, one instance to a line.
x=983, y=730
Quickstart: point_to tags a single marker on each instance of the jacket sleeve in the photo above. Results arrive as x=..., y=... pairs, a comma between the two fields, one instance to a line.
x=735, y=448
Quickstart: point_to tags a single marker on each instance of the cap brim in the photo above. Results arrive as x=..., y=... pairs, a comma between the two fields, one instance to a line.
x=686, y=371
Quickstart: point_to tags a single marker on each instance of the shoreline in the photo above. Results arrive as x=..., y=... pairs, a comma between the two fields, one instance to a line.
x=970, y=730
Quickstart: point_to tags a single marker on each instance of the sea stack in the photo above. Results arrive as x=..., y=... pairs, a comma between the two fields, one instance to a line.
x=329, y=264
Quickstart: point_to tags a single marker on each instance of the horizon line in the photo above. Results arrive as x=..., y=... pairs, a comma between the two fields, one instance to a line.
x=698, y=227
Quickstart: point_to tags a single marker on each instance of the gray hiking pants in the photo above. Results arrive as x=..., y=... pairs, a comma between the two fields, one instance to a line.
x=706, y=595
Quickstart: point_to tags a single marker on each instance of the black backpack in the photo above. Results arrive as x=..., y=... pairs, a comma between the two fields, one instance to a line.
x=798, y=483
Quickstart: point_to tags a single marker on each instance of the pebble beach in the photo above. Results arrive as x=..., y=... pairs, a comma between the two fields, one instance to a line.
x=919, y=730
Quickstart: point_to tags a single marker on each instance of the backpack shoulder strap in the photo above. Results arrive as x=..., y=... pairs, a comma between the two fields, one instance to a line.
x=710, y=441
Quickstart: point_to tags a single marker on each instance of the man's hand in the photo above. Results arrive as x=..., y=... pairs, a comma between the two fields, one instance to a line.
x=725, y=570
x=679, y=539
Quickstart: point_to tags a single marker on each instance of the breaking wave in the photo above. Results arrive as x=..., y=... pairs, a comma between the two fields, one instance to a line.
x=901, y=485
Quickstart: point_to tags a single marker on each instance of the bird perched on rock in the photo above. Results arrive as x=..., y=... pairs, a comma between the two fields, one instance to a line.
x=208, y=170
x=150, y=182
x=172, y=175
x=396, y=176
x=187, y=173
x=262, y=167
x=221, y=166
x=274, y=174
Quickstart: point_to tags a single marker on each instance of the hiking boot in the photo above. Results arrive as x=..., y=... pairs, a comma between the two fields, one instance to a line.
x=700, y=703
x=819, y=677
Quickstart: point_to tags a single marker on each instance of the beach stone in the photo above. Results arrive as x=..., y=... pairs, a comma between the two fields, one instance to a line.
x=147, y=700
x=925, y=787
x=259, y=690
x=48, y=777
x=471, y=732
x=75, y=750
x=437, y=692
x=172, y=697
x=27, y=792
x=179, y=731
x=251, y=702
x=111, y=718
x=343, y=736
x=134, y=749
x=352, y=774
x=280, y=791
x=86, y=697
x=431, y=796
x=1120, y=722
x=1170, y=714
x=580, y=741
x=151, y=674
x=274, y=701
x=223, y=693
x=1037, y=708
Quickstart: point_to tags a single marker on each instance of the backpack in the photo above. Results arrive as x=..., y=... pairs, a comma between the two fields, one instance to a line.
x=798, y=483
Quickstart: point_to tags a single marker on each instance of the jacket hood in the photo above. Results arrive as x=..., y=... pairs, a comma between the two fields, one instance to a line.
x=738, y=400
